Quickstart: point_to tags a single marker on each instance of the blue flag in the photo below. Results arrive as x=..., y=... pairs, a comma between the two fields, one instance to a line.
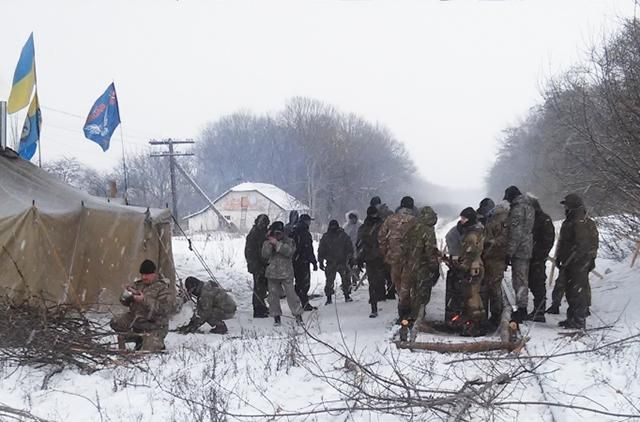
x=103, y=119
x=31, y=130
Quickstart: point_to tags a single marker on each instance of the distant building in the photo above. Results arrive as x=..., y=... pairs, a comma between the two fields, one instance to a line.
x=242, y=204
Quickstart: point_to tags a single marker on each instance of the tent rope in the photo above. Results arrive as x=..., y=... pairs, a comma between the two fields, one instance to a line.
x=196, y=252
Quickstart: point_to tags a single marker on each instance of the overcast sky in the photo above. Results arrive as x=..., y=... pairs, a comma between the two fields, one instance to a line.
x=445, y=77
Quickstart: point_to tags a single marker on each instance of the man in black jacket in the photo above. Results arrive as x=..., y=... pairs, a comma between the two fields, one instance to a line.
x=544, y=235
x=336, y=248
x=303, y=256
x=257, y=265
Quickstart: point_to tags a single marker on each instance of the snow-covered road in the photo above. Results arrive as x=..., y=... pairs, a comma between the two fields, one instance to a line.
x=258, y=369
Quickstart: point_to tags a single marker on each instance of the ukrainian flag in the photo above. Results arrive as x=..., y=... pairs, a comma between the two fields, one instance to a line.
x=24, y=78
x=31, y=130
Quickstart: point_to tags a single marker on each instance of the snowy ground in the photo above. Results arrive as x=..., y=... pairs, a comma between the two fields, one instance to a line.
x=259, y=370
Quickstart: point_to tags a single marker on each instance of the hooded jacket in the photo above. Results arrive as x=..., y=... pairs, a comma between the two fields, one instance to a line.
x=420, y=247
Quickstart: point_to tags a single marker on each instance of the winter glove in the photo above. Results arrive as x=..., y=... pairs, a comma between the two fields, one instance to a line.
x=322, y=265
x=315, y=266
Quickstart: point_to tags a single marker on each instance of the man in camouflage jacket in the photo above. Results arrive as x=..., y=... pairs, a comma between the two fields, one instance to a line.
x=470, y=266
x=576, y=257
x=519, y=247
x=214, y=306
x=278, y=251
x=493, y=258
x=390, y=237
x=146, y=323
x=422, y=268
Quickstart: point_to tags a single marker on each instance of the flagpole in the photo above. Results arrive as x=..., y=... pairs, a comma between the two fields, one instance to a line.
x=124, y=166
x=35, y=87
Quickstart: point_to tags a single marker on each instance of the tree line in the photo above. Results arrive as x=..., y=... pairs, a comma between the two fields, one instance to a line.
x=584, y=137
x=331, y=160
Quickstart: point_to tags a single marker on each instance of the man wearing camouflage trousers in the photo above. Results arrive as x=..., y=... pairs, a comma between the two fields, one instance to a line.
x=519, y=247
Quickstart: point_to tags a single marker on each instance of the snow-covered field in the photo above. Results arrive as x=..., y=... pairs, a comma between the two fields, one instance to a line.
x=257, y=370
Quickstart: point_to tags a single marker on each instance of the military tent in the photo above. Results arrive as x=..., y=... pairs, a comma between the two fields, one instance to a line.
x=66, y=246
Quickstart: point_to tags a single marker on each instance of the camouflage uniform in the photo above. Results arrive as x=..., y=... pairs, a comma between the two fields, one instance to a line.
x=279, y=274
x=214, y=306
x=146, y=321
x=470, y=265
x=390, y=238
x=544, y=235
x=420, y=250
x=577, y=251
x=454, y=300
x=257, y=266
x=383, y=213
x=519, y=246
x=336, y=248
x=493, y=257
x=369, y=254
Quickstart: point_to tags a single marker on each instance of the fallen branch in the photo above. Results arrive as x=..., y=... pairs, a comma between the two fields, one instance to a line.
x=470, y=347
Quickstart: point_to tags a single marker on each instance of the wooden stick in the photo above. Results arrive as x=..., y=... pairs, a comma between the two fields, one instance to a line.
x=470, y=347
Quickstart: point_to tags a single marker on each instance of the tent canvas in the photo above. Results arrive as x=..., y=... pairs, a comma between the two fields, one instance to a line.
x=63, y=245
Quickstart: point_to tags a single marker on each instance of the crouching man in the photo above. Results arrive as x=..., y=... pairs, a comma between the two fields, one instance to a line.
x=214, y=306
x=147, y=321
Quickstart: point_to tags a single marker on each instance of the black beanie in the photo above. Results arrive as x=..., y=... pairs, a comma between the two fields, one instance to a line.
x=191, y=283
x=333, y=224
x=372, y=211
x=470, y=214
x=406, y=202
x=486, y=205
x=511, y=193
x=277, y=226
x=147, y=267
x=375, y=201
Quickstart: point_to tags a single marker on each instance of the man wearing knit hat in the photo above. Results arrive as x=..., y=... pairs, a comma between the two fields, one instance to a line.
x=146, y=323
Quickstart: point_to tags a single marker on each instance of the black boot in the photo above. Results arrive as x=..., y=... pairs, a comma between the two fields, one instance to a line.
x=219, y=328
x=347, y=298
x=537, y=316
x=374, y=310
x=329, y=301
x=520, y=315
x=308, y=307
x=553, y=309
x=277, y=321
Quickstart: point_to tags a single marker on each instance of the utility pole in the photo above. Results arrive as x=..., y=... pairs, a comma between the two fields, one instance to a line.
x=172, y=165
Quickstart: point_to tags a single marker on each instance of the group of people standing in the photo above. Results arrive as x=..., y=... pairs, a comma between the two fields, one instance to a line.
x=399, y=251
